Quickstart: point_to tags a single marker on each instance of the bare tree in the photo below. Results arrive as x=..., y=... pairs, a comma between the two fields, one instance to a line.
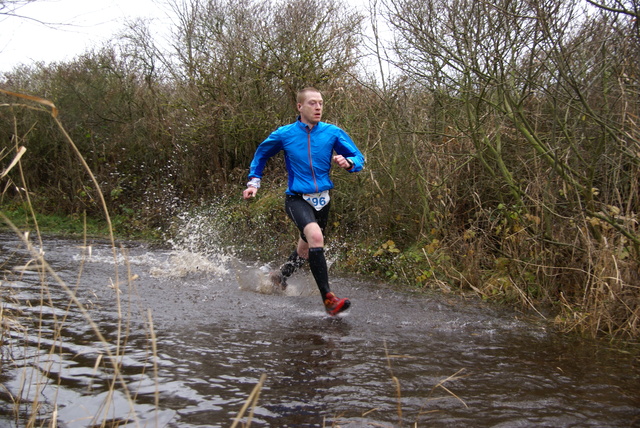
x=11, y=7
x=630, y=7
x=543, y=96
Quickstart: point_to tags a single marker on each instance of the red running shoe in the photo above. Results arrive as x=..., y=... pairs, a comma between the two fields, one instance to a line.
x=334, y=306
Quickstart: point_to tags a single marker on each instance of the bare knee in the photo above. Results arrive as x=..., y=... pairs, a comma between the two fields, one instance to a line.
x=314, y=236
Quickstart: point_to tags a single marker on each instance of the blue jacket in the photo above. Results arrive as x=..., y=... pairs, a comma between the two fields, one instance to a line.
x=307, y=155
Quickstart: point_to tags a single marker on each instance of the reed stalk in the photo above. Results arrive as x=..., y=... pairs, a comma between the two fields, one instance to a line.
x=38, y=262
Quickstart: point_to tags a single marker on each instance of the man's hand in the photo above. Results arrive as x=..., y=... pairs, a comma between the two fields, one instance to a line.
x=249, y=192
x=342, y=162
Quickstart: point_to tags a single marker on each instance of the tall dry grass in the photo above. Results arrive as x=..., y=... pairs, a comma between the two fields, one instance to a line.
x=17, y=332
x=30, y=414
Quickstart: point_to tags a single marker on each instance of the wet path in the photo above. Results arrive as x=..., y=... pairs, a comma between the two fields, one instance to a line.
x=395, y=359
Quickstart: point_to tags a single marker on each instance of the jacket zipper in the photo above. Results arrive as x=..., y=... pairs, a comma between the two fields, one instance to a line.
x=313, y=172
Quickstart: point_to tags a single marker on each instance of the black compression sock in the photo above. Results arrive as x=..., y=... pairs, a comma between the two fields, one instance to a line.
x=318, y=265
x=293, y=263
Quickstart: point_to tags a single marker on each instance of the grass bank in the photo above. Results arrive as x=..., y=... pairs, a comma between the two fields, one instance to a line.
x=72, y=225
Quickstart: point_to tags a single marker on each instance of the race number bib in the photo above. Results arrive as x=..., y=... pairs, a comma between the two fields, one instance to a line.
x=317, y=200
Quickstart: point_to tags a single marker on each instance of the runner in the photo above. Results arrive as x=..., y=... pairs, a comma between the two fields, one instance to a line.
x=308, y=146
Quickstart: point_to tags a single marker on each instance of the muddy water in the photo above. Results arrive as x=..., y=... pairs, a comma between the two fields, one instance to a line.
x=395, y=359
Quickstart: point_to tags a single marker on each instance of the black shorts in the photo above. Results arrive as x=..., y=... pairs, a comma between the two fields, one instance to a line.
x=302, y=213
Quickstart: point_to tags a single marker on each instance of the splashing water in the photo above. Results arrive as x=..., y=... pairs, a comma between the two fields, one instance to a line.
x=199, y=248
x=196, y=248
x=257, y=279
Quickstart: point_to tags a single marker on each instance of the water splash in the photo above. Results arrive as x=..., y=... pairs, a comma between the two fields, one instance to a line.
x=197, y=231
x=196, y=246
x=256, y=279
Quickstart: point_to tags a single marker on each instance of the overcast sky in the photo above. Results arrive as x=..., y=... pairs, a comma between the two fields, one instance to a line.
x=76, y=25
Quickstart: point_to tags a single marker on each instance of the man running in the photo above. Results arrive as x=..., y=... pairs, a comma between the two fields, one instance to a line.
x=308, y=146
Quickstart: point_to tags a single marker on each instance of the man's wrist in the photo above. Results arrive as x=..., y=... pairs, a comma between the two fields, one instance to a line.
x=254, y=182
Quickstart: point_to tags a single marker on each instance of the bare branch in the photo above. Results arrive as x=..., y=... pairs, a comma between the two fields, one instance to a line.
x=635, y=12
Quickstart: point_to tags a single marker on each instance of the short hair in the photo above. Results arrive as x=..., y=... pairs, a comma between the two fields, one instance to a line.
x=302, y=93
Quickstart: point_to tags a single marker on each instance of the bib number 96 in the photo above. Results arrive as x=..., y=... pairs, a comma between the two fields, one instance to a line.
x=317, y=200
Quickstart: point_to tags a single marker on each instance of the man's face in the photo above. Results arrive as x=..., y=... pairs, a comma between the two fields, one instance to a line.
x=311, y=109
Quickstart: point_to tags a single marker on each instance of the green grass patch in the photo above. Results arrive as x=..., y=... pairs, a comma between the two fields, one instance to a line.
x=71, y=225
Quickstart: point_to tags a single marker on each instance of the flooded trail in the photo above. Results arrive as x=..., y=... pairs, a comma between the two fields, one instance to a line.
x=394, y=359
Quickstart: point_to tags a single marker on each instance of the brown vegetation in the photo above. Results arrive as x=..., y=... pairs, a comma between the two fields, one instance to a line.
x=502, y=152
